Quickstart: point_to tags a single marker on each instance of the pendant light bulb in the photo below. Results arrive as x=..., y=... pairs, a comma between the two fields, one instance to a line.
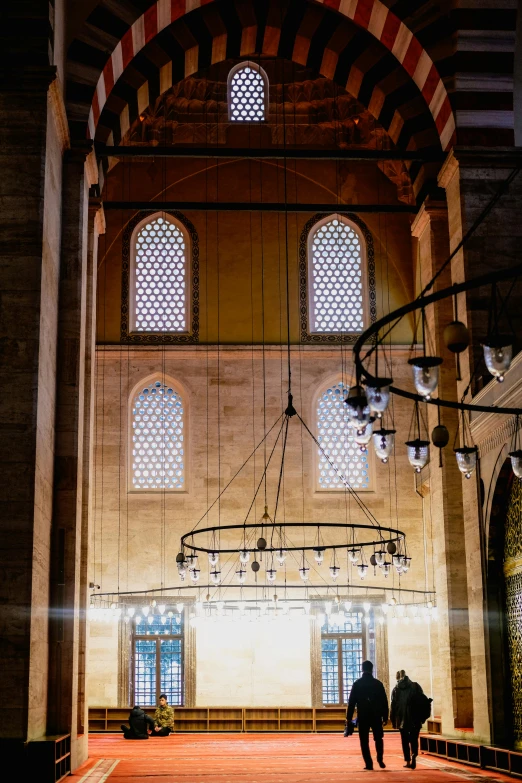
x=362, y=570
x=271, y=574
x=303, y=573
x=319, y=555
x=418, y=453
x=215, y=577
x=383, y=443
x=281, y=556
x=334, y=571
x=498, y=354
x=354, y=555
x=386, y=567
x=364, y=435
x=380, y=556
x=241, y=576
x=213, y=558
x=195, y=574
x=244, y=556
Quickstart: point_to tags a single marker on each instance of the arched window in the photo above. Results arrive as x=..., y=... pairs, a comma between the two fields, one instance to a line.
x=336, y=266
x=157, y=438
x=160, y=279
x=337, y=439
x=247, y=93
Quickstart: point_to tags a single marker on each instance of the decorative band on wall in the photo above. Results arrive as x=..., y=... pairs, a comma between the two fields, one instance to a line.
x=304, y=303
x=151, y=338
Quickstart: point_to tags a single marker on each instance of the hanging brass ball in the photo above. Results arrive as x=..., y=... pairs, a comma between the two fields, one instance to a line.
x=373, y=561
x=440, y=436
x=255, y=566
x=261, y=543
x=207, y=597
x=180, y=557
x=391, y=547
x=456, y=337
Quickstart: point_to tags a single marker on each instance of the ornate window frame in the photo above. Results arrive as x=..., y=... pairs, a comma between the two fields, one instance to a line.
x=182, y=391
x=127, y=303
x=255, y=67
x=368, y=277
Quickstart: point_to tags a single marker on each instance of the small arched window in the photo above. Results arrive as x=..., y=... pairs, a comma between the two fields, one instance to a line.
x=247, y=93
x=160, y=276
x=336, y=267
x=337, y=440
x=157, y=438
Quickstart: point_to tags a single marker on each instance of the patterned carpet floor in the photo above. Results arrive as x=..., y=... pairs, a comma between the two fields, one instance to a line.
x=258, y=758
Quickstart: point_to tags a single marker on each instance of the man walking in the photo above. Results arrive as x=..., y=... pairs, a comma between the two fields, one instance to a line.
x=408, y=712
x=369, y=697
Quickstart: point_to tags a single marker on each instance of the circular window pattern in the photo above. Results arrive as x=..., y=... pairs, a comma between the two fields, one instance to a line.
x=160, y=278
x=247, y=96
x=336, y=438
x=157, y=439
x=337, y=289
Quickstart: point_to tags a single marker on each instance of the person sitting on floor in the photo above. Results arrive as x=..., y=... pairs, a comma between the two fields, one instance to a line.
x=140, y=725
x=163, y=718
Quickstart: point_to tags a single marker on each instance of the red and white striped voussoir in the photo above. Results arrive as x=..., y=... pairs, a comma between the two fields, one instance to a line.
x=372, y=15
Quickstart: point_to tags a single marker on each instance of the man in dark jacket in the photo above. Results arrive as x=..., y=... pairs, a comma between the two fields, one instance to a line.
x=404, y=716
x=140, y=723
x=369, y=697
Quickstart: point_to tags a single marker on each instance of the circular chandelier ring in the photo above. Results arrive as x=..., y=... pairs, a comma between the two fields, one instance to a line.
x=395, y=536
x=418, y=304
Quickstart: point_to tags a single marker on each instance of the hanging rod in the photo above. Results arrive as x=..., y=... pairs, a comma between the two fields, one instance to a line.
x=273, y=587
x=132, y=151
x=258, y=206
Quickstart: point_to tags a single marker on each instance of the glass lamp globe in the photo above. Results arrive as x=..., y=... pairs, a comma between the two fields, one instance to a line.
x=303, y=573
x=497, y=356
x=357, y=407
x=362, y=570
x=271, y=574
x=241, y=576
x=378, y=395
x=383, y=442
x=182, y=570
x=244, y=556
x=516, y=462
x=334, y=571
x=364, y=435
x=195, y=573
x=466, y=460
x=426, y=374
x=281, y=556
x=213, y=558
x=215, y=577
x=386, y=568
x=379, y=557
x=406, y=563
x=353, y=555
x=418, y=453
x=319, y=555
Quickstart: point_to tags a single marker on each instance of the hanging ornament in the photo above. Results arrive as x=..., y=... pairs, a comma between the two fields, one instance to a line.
x=467, y=459
x=383, y=442
x=418, y=453
x=391, y=547
x=255, y=566
x=357, y=407
x=498, y=354
x=456, y=337
x=378, y=395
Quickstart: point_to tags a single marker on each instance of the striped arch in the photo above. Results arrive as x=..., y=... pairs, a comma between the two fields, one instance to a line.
x=369, y=15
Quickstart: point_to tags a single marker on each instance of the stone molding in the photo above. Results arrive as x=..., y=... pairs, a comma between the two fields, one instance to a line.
x=429, y=212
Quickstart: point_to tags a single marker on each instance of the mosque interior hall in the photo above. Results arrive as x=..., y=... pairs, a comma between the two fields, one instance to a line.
x=261, y=295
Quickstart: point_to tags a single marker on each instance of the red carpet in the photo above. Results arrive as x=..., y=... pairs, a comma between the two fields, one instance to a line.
x=258, y=758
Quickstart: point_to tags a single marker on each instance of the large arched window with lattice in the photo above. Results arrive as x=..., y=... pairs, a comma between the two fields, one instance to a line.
x=158, y=437
x=247, y=93
x=339, y=456
x=337, y=290
x=160, y=276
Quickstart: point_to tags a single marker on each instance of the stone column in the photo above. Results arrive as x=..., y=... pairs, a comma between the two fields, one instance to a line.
x=29, y=251
x=67, y=612
x=445, y=488
x=471, y=178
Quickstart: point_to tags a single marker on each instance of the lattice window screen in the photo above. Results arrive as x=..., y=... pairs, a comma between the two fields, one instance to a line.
x=336, y=293
x=336, y=438
x=247, y=95
x=160, y=278
x=158, y=460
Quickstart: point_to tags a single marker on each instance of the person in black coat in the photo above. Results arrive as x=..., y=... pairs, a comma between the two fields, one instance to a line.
x=140, y=723
x=405, y=716
x=369, y=697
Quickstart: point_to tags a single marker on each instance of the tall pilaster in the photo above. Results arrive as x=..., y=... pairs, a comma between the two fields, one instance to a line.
x=445, y=494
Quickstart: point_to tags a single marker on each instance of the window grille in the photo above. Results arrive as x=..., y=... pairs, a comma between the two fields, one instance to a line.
x=247, y=93
x=337, y=439
x=158, y=453
x=336, y=278
x=158, y=660
x=343, y=649
x=160, y=278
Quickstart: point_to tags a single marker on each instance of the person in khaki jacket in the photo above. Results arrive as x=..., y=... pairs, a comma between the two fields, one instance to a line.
x=163, y=719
